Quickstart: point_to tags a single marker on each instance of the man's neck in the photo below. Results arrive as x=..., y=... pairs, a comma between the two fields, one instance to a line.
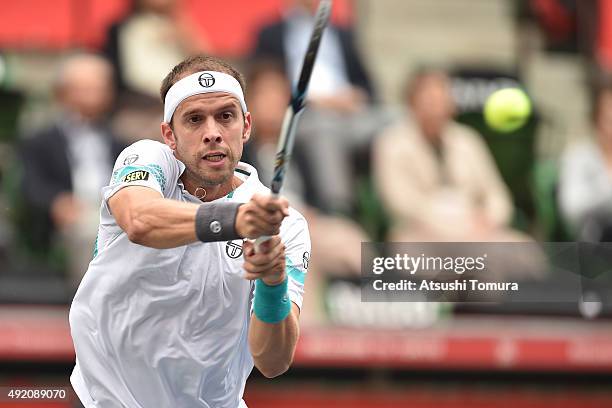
x=605, y=142
x=210, y=193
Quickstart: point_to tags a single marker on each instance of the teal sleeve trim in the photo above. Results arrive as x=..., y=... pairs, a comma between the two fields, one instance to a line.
x=154, y=169
x=95, y=248
x=293, y=272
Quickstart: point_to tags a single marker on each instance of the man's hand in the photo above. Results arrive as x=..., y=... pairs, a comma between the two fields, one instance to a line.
x=268, y=264
x=65, y=210
x=262, y=215
x=349, y=101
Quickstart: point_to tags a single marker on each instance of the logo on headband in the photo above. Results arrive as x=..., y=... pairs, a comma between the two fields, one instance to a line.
x=206, y=80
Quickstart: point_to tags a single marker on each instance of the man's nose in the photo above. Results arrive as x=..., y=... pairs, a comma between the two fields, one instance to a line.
x=212, y=131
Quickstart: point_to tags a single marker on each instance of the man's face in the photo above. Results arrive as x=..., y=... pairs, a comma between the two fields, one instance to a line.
x=604, y=118
x=87, y=88
x=432, y=105
x=208, y=136
x=268, y=103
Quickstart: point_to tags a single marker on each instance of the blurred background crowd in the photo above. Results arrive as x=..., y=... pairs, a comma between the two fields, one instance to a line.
x=393, y=145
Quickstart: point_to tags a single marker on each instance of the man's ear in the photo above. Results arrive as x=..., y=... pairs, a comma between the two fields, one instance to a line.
x=248, y=125
x=168, y=135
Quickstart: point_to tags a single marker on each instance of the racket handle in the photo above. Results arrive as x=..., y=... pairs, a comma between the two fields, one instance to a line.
x=263, y=238
x=260, y=241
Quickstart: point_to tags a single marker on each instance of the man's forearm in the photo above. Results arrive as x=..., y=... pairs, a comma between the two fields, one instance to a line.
x=157, y=222
x=162, y=223
x=273, y=345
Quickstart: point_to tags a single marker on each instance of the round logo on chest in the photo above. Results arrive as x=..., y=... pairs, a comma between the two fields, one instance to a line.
x=233, y=249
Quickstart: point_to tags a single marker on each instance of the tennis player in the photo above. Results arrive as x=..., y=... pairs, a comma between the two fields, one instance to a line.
x=177, y=306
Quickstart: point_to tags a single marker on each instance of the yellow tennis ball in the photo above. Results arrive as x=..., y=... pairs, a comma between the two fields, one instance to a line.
x=507, y=110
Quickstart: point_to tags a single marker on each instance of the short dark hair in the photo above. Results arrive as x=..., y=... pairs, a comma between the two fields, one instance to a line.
x=260, y=67
x=198, y=63
x=600, y=86
x=417, y=78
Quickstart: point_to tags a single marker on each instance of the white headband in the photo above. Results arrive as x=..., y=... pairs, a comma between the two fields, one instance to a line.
x=199, y=83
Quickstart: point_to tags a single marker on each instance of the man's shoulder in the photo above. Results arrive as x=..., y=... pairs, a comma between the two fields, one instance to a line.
x=251, y=177
x=296, y=215
x=255, y=186
x=146, y=148
x=149, y=156
x=149, y=145
x=295, y=221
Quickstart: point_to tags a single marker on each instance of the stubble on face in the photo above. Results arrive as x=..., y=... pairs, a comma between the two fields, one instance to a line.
x=226, y=140
x=207, y=177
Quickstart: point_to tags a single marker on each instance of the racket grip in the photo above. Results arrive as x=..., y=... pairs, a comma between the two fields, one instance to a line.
x=263, y=238
x=260, y=241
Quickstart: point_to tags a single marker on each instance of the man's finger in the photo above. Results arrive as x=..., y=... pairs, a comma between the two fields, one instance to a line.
x=263, y=215
x=255, y=227
x=251, y=268
x=273, y=217
x=264, y=263
x=248, y=248
x=271, y=203
x=265, y=259
x=273, y=241
x=251, y=276
x=276, y=204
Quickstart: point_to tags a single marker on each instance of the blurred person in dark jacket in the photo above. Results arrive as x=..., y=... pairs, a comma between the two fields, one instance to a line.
x=66, y=164
x=340, y=118
x=339, y=80
x=585, y=181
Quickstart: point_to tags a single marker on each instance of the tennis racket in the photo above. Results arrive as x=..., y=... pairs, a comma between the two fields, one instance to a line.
x=296, y=105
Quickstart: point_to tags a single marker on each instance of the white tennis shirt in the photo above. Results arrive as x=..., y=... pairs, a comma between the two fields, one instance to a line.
x=168, y=327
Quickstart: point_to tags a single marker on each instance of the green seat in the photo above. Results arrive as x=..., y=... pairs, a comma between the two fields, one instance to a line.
x=549, y=220
x=11, y=102
x=514, y=154
x=26, y=223
x=371, y=214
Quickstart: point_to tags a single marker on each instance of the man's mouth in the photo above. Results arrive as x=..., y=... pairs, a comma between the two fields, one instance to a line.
x=214, y=157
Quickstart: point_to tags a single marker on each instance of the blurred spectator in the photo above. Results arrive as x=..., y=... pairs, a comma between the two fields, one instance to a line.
x=268, y=93
x=145, y=46
x=339, y=79
x=585, y=185
x=339, y=119
x=436, y=177
x=336, y=241
x=136, y=117
x=66, y=164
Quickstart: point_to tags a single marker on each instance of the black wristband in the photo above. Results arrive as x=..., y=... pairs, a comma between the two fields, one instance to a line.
x=217, y=222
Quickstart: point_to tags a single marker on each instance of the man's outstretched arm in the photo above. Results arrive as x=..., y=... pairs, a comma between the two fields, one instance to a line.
x=157, y=222
x=274, y=329
x=273, y=344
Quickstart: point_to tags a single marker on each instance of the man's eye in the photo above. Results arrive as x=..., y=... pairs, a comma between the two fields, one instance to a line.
x=227, y=115
x=193, y=119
